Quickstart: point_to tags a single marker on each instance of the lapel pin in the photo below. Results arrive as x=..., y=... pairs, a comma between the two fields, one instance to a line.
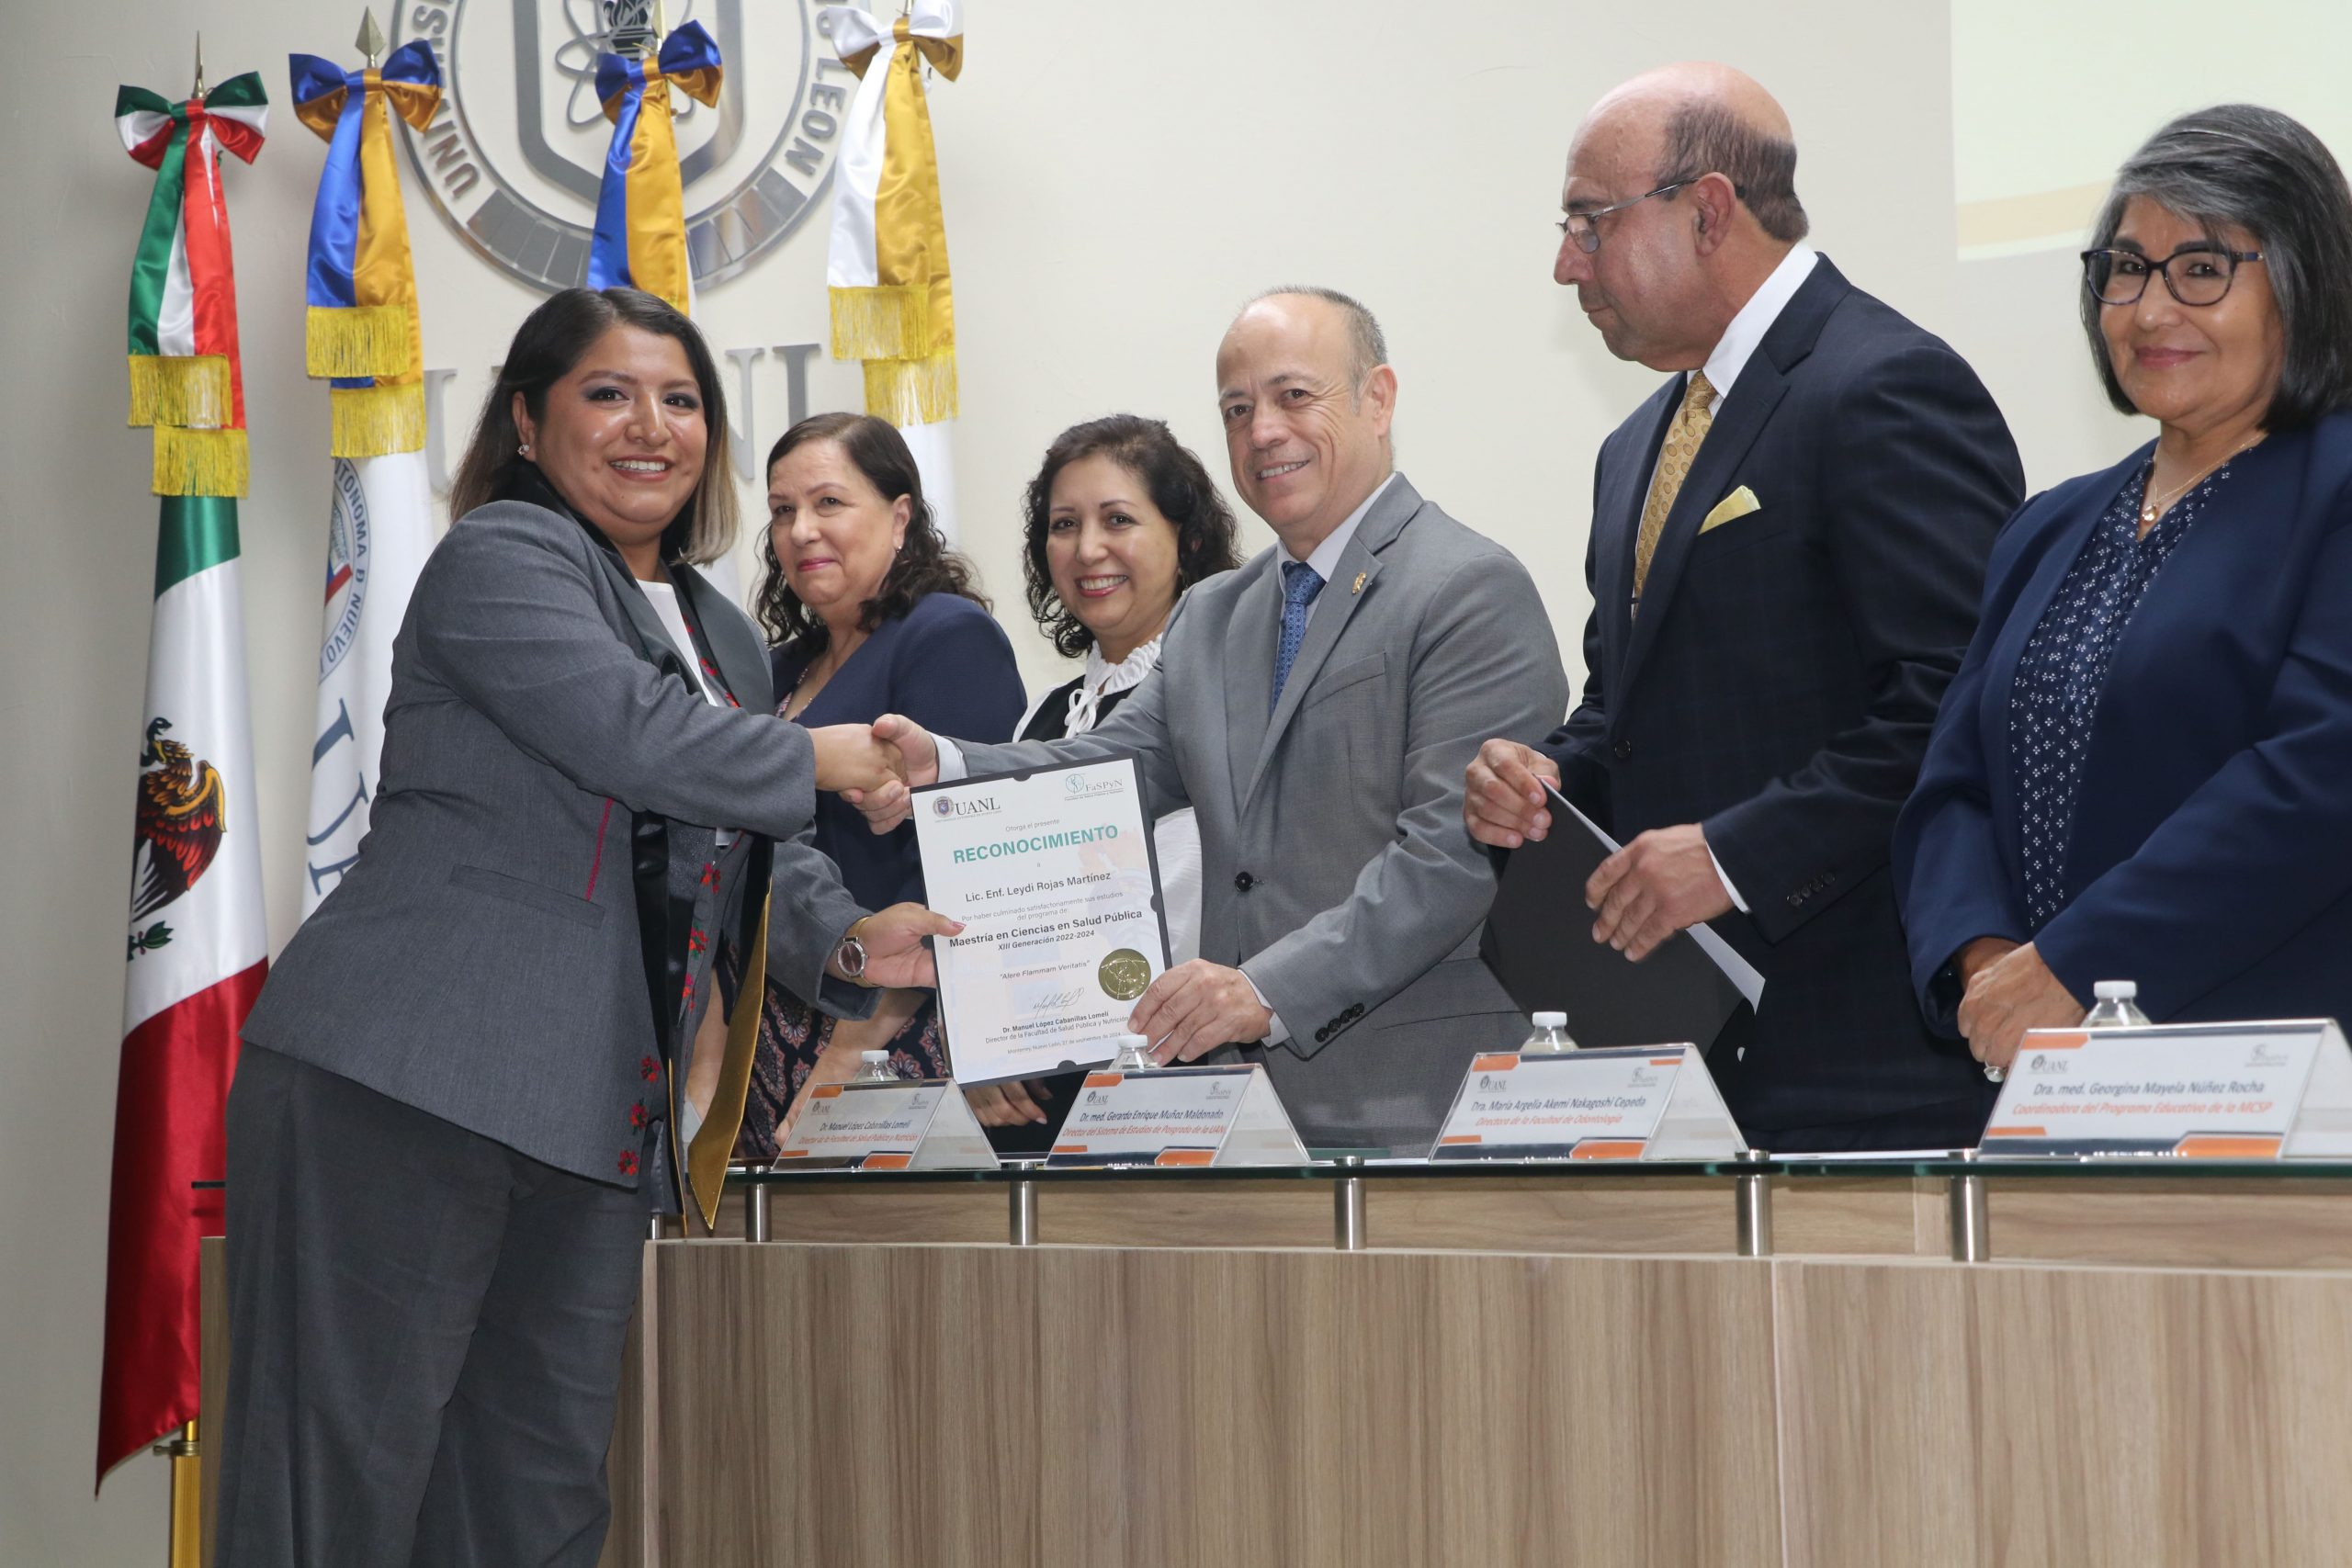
x=1359, y=584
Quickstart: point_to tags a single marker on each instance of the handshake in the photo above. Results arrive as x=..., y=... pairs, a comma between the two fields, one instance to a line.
x=875, y=766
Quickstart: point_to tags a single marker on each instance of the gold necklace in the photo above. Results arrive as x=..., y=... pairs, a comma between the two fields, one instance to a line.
x=2151, y=509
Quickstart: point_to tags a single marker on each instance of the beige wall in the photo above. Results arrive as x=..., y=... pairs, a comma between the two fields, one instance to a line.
x=1118, y=178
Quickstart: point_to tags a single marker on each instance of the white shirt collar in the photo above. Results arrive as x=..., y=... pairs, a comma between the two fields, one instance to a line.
x=1326, y=559
x=1740, y=340
x=1102, y=677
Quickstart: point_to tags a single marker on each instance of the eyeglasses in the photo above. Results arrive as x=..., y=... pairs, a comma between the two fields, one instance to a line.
x=1577, y=226
x=2119, y=277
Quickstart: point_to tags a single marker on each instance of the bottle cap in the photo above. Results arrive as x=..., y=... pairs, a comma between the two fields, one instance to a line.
x=2116, y=990
x=873, y=1058
x=1551, y=1021
x=1133, y=1042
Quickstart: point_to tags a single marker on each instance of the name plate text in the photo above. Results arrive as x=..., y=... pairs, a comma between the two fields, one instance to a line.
x=912, y=1125
x=2191, y=1091
x=1627, y=1102
x=1175, y=1116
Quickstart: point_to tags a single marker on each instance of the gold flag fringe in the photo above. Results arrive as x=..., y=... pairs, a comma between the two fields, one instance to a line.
x=199, y=462
x=356, y=340
x=912, y=392
x=179, y=388
x=892, y=321
x=370, y=422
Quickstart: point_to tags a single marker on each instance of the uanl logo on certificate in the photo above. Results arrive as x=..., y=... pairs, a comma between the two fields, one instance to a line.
x=1629, y=1102
x=2190, y=1092
x=1052, y=872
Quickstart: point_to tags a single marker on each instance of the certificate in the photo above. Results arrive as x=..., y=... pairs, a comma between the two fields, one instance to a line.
x=1052, y=873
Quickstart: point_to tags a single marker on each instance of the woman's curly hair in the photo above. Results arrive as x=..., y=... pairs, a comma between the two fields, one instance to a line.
x=1180, y=488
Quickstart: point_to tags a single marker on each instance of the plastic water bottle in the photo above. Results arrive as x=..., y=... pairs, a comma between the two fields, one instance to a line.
x=1135, y=1054
x=2115, y=1007
x=874, y=1067
x=1550, y=1037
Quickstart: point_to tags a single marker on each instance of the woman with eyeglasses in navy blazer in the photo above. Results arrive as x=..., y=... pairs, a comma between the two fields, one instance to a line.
x=2144, y=770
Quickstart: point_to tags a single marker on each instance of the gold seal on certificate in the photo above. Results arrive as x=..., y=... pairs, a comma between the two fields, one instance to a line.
x=1051, y=870
x=1124, y=973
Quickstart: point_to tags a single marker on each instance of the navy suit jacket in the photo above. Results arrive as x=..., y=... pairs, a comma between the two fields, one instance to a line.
x=945, y=664
x=2212, y=855
x=1779, y=684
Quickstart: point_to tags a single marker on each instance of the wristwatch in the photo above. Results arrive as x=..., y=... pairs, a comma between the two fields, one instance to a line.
x=850, y=956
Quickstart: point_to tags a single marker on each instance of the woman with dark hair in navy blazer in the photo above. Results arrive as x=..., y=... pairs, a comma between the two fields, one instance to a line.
x=2143, y=770
x=870, y=613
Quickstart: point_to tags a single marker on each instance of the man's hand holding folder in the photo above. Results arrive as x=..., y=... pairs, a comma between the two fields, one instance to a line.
x=1646, y=895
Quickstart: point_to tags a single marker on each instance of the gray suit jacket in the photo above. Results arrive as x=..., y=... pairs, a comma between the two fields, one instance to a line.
x=1335, y=872
x=481, y=961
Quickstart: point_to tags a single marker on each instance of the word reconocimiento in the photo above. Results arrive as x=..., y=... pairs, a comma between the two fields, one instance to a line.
x=1035, y=844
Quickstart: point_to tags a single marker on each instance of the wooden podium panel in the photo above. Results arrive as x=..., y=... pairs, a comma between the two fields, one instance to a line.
x=2155, y=1369
x=996, y=1406
x=2077, y=1418
x=2179, y=1221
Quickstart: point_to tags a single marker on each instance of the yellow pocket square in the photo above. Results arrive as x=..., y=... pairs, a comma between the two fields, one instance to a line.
x=1739, y=503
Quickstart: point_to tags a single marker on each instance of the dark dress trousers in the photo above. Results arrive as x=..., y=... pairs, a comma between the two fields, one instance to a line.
x=2211, y=857
x=1779, y=683
x=452, y=1113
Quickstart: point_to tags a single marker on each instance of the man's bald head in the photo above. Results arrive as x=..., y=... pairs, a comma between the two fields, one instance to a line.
x=1681, y=200
x=1699, y=118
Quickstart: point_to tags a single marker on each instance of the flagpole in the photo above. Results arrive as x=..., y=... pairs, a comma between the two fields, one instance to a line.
x=186, y=1548
x=187, y=1497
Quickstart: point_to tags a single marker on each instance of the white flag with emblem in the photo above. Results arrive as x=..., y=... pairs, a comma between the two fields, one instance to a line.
x=379, y=532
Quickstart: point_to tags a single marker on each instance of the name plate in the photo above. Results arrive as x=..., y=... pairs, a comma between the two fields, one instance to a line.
x=2190, y=1092
x=912, y=1124
x=1202, y=1116
x=1627, y=1102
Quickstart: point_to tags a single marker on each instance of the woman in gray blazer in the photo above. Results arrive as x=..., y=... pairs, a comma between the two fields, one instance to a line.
x=464, y=1085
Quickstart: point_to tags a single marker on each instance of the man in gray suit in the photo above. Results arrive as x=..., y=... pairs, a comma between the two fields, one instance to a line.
x=1317, y=709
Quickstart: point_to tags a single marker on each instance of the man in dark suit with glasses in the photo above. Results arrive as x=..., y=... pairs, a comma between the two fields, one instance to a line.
x=1788, y=542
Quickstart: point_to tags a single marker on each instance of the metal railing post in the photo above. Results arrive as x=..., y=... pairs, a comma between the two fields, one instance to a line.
x=1348, y=1232
x=1021, y=1193
x=1970, y=1222
x=1752, y=1200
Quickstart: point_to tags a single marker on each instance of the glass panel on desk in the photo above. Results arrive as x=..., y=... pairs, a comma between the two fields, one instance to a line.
x=1795, y=1167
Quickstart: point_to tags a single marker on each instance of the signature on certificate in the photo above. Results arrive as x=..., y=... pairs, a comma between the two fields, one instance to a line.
x=1055, y=1001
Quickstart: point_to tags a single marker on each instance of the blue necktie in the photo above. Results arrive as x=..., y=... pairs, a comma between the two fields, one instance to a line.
x=1301, y=583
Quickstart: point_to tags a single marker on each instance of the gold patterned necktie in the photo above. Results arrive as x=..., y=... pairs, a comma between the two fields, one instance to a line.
x=1691, y=422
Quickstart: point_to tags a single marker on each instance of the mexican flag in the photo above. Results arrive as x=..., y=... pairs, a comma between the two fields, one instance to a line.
x=196, y=945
